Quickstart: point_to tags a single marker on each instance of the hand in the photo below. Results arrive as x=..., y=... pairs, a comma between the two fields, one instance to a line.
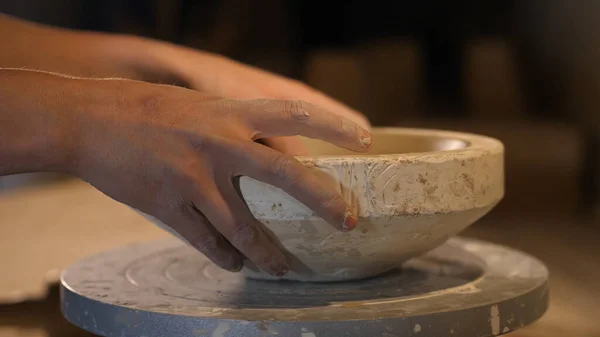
x=224, y=77
x=218, y=75
x=175, y=153
x=90, y=54
x=221, y=76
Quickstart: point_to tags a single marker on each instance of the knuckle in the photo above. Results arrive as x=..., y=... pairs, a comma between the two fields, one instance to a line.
x=342, y=125
x=298, y=110
x=259, y=102
x=335, y=203
x=225, y=107
x=281, y=167
x=206, y=142
x=189, y=177
x=280, y=164
x=244, y=236
x=345, y=129
x=208, y=244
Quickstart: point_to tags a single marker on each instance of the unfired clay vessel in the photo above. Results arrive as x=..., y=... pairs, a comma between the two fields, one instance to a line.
x=413, y=190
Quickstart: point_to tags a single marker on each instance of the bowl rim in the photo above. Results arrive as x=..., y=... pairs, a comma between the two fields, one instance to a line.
x=476, y=145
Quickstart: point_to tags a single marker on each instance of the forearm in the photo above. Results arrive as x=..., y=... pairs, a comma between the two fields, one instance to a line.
x=34, y=46
x=36, y=112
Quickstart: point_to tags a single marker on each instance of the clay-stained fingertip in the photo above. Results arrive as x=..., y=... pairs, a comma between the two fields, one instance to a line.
x=350, y=221
x=235, y=267
x=365, y=139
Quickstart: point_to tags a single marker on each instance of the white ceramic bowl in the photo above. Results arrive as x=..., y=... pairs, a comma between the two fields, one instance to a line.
x=415, y=189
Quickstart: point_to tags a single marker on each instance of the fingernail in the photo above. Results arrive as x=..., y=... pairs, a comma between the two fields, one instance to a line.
x=349, y=222
x=236, y=267
x=364, y=138
x=231, y=262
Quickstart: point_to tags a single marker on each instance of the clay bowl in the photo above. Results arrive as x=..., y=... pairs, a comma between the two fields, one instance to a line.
x=414, y=190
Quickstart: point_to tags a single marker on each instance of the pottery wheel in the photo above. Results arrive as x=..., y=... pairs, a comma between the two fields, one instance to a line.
x=465, y=288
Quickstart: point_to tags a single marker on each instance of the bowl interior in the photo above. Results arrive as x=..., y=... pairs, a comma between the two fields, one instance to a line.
x=390, y=143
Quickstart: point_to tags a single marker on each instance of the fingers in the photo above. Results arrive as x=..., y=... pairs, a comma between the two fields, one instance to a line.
x=200, y=234
x=276, y=118
x=311, y=95
x=307, y=185
x=289, y=145
x=231, y=217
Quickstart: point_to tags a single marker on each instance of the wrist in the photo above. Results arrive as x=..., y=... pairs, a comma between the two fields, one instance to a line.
x=100, y=55
x=34, y=122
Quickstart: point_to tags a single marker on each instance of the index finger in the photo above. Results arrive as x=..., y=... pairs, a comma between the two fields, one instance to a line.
x=293, y=146
x=315, y=190
x=277, y=118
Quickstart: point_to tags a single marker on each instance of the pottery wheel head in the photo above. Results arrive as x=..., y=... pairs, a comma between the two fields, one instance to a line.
x=168, y=289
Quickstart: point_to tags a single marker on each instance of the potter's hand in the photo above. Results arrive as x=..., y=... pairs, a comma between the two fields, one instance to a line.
x=224, y=77
x=87, y=54
x=173, y=153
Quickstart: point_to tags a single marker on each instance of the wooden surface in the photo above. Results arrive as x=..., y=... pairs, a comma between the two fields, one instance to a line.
x=569, y=248
x=48, y=227
x=44, y=229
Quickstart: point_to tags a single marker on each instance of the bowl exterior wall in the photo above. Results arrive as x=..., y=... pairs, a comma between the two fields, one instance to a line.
x=320, y=253
x=407, y=204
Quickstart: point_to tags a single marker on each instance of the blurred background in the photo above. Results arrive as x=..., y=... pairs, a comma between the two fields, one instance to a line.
x=526, y=72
